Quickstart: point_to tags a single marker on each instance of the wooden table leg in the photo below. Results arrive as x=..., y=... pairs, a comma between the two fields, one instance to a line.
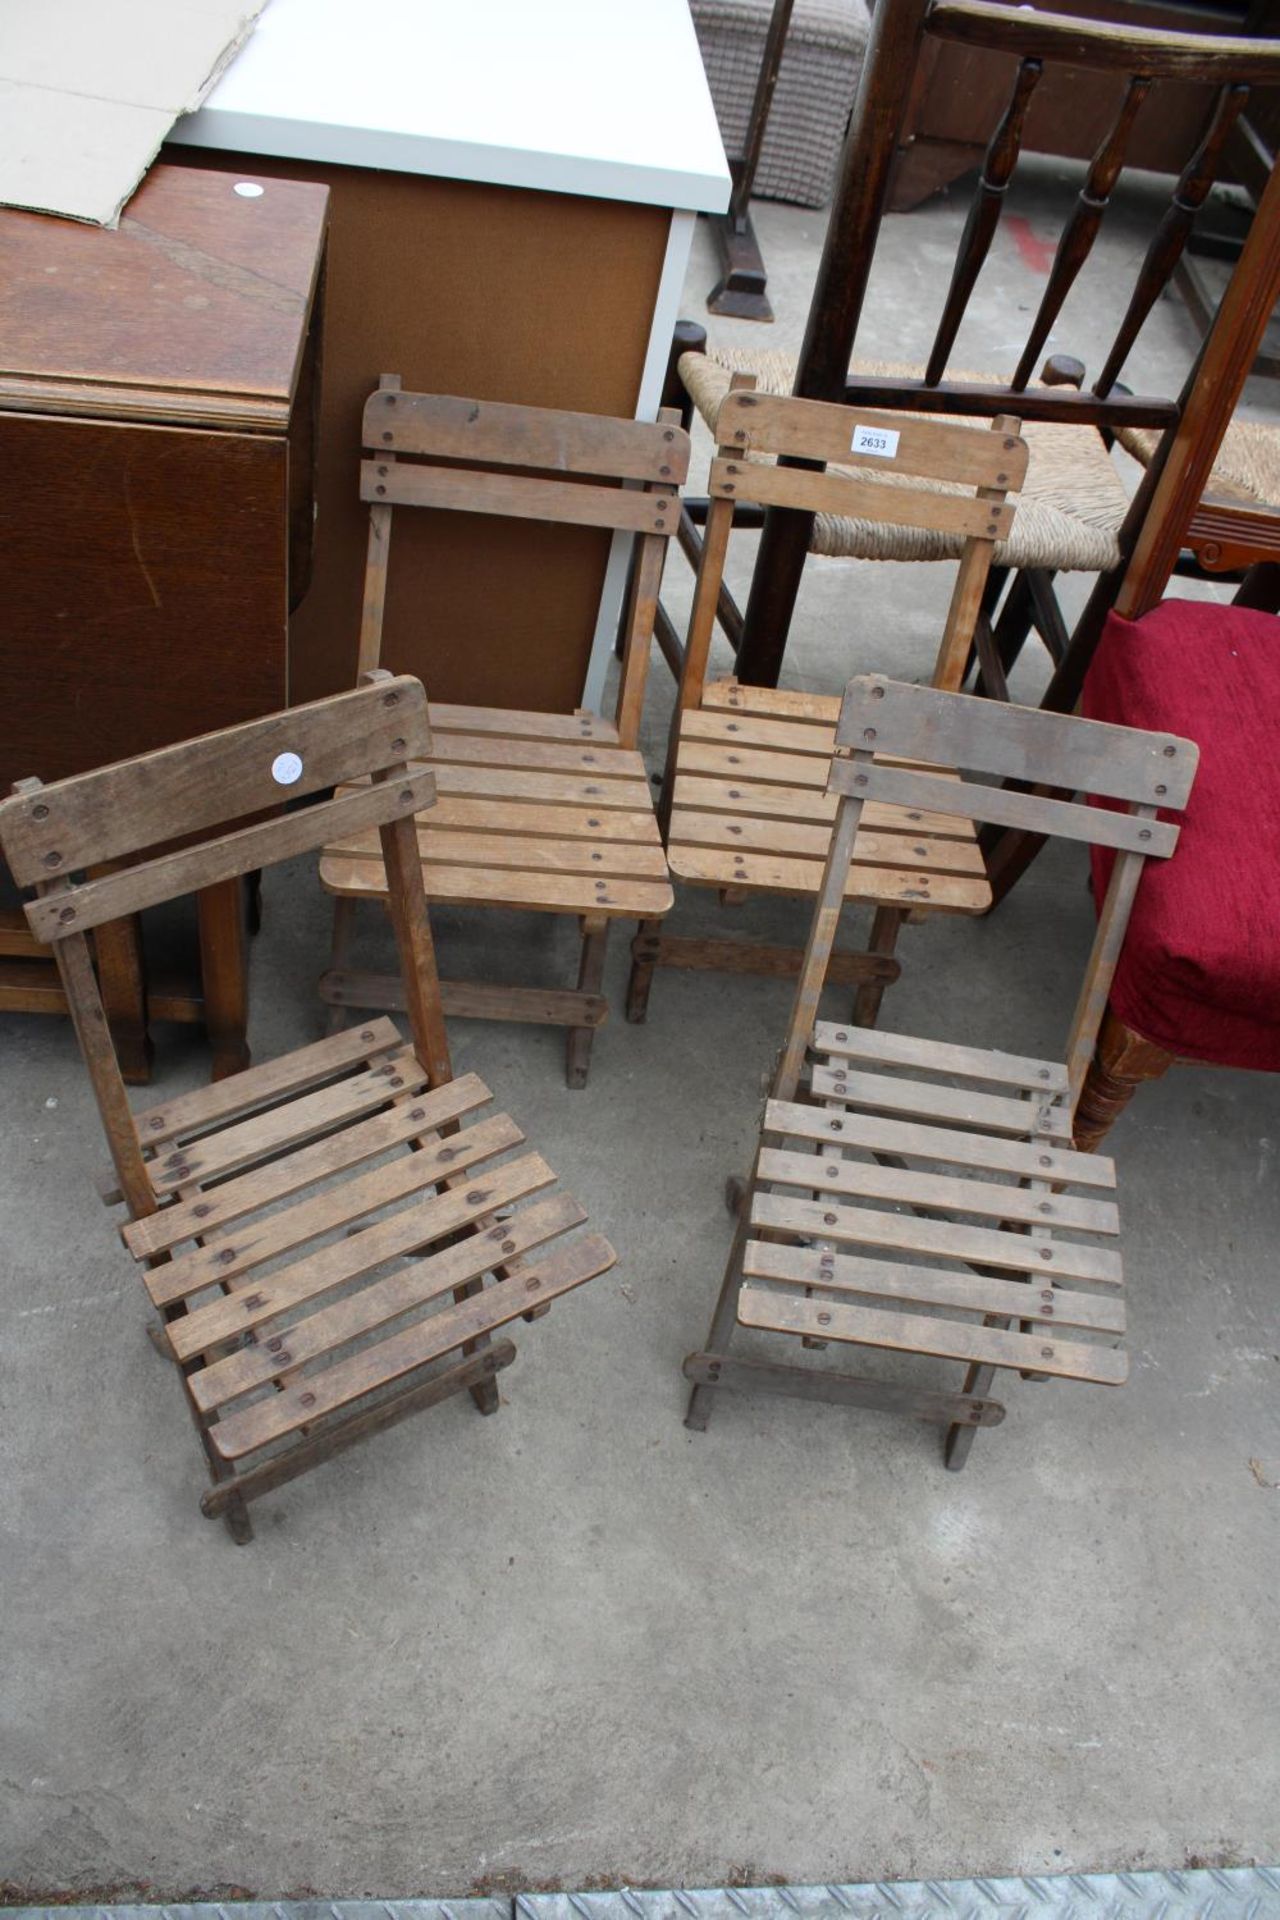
x=123, y=986
x=224, y=969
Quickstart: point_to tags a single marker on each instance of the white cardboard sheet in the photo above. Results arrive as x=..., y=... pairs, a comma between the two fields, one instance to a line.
x=90, y=88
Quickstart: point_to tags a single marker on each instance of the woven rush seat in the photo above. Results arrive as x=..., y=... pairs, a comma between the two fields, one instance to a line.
x=751, y=809
x=1200, y=972
x=1246, y=466
x=930, y=1202
x=1070, y=506
x=541, y=811
x=294, y=1297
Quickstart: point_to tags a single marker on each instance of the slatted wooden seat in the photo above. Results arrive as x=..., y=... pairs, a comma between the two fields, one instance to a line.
x=744, y=798
x=751, y=812
x=545, y=813
x=332, y=1240
x=924, y=1198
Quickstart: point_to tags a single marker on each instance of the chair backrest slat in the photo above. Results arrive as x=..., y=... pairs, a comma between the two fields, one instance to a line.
x=841, y=495
x=179, y=792
x=229, y=855
x=884, y=716
x=1001, y=807
x=446, y=427
x=518, y=496
x=970, y=456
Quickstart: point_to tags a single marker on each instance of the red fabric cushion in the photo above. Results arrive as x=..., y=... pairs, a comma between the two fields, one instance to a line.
x=1200, y=971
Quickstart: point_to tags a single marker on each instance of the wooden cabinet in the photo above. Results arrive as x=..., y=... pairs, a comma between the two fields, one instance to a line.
x=513, y=194
x=156, y=392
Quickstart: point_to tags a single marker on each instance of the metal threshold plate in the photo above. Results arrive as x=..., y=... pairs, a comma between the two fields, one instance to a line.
x=1209, y=1893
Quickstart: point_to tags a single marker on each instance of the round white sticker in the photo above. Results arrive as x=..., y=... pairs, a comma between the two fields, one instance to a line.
x=249, y=190
x=285, y=769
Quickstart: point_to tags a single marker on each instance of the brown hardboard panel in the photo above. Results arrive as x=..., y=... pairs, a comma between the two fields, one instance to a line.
x=144, y=581
x=496, y=292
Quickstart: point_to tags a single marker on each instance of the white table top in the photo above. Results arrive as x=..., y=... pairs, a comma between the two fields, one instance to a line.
x=599, y=97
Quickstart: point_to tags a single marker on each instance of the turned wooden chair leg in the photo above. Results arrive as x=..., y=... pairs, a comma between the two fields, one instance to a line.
x=1260, y=588
x=344, y=927
x=884, y=938
x=644, y=952
x=595, y=940
x=723, y=1321
x=1121, y=1062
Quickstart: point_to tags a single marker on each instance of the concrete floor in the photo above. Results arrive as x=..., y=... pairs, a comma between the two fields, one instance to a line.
x=576, y=1643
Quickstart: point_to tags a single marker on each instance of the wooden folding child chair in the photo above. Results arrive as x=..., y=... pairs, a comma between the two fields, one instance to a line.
x=926, y=1198
x=263, y=1208
x=545, y=812
x=743, y=805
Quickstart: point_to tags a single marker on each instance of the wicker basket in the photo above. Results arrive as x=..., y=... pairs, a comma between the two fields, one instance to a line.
x=811, y=103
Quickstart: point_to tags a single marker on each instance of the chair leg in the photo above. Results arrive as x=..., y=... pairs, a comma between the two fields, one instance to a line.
x=235, y=1514
x=123, y=986
x=1260, y=588
x=344, y=926
x=1122, y=1061
x=595, y=940
x=884, y=938
x=977, y=1381
x=723, y=1322
x=235, y=1518
x=224, y=969
x=483, y=1392
x=644, y=949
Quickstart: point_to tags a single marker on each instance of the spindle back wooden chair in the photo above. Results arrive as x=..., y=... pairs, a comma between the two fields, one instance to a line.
x=1076, y=514
x=742, y=803
x=925, y=1198
x=295, y=1322
x=541, y=812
